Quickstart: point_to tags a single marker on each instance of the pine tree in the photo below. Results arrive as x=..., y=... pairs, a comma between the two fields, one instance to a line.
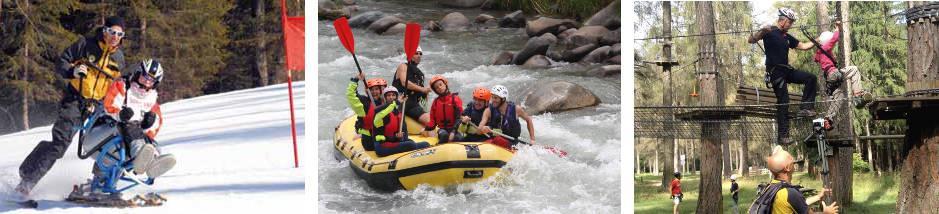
x=31, y=35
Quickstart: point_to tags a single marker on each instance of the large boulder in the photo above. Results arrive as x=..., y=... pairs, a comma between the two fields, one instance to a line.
x=550, y=37
x=395, y=30
x=605, y=71
x=333, y=14
x=614, y=50
x=558, y=96
x=483, y=18
x=607, y=17
x=534, y=46
x=565, y=36
x=537, y=61
x=503, y=58
x=612, y=37
x=547, y=25
x=597, y=55
x=574, y=55
x=380, y=25
x=454, y=21
x=461, y=3
x=513, y=20
x=328, y=5
x=432, y=26
x=613, y=60
x=588, y=35
x=365, y=19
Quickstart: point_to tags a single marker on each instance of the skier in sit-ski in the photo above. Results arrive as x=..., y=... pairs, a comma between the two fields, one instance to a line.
x=133, y=101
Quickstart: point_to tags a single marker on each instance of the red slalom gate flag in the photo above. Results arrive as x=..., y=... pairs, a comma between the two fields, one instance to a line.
x=293, y=49
x=293, y=39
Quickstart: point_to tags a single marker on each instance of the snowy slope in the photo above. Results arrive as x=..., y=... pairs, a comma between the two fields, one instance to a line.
x=233, y=153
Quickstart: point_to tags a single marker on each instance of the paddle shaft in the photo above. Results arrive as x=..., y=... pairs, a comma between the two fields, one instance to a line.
x=501, y=135
x=369, y=95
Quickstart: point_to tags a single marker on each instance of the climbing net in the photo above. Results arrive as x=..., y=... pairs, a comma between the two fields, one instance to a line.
x=732, y=122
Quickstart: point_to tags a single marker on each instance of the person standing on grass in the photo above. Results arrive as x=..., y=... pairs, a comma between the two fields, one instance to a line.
x=675, y=186
x=734, y=188
x=782, y=197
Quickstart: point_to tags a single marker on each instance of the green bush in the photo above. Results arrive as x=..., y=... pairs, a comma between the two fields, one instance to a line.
x=859, y=165
x=578, y=9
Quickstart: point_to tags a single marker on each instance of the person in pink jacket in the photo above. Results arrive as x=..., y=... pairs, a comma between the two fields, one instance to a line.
x=835, y=76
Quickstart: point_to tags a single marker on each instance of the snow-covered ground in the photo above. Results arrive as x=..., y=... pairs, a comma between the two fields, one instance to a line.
x=233, y=153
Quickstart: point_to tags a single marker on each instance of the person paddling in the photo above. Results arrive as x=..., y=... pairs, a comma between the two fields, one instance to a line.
x=360, y=104
x=409, y=79
x=502, y=115
x=473, y=114
x=384, y=121
x=445, y=111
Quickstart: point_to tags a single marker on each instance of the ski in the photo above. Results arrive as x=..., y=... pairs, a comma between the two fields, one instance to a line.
x=81, y=196
x=32, y=204
x=145, y=200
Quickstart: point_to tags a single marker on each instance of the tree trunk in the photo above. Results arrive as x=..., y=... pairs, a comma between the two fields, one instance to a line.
x=727, y=156
x=143, y=33
x=668, y=144
x=709, y=199
x=24, y=107
x=655, y=164
x=744, y=158
x=870, y=148
x=636, y=150
x=822, y=20
x=919, y=176
x=260, y=56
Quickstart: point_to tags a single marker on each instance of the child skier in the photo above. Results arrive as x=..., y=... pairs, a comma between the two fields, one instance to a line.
x=133, y=102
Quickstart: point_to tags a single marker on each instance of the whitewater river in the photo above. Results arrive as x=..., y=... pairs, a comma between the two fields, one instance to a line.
x=588, y=180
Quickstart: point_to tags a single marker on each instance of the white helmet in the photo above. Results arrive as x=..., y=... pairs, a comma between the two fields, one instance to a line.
x=418, y=49
x=500, y=91
x=825, y=37
x=152, y=69
x=733, y=177
x=788, y=13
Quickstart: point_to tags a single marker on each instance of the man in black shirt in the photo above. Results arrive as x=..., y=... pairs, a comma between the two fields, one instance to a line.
x=778, y=42
x=734, y=188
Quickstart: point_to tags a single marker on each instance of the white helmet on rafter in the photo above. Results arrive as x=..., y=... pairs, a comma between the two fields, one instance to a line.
x=788, y=13
x=500, y=91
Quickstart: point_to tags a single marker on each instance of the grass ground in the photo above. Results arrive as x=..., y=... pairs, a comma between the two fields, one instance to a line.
x=872, y=194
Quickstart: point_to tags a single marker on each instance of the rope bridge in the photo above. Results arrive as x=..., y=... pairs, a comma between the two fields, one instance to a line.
x=755, y=121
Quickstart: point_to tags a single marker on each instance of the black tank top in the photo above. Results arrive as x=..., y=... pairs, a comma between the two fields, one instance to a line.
x=414, y=75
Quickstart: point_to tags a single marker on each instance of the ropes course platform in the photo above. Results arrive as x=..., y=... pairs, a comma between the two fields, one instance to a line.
x=895, y=108
x=735, y=122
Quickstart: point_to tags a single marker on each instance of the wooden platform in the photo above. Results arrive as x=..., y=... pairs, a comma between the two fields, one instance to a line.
x=715, y=114
x=760, y=96
x=900, y=107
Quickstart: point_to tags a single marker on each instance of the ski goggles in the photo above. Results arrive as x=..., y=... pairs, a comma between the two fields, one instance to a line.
x=113, y=32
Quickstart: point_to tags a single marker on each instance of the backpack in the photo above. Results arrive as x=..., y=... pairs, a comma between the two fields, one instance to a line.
x=766, y=194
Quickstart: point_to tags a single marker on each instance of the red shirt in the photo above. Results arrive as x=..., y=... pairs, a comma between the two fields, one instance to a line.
x=823, y=61
x=675, y=186
x=445, y=111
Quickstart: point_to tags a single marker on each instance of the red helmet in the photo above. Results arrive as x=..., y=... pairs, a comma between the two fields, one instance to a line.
x=375, y=82
x=438, y=77
x=481, y=93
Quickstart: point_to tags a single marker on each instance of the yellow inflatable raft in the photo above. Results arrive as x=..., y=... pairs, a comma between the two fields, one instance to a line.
x=438, y=165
